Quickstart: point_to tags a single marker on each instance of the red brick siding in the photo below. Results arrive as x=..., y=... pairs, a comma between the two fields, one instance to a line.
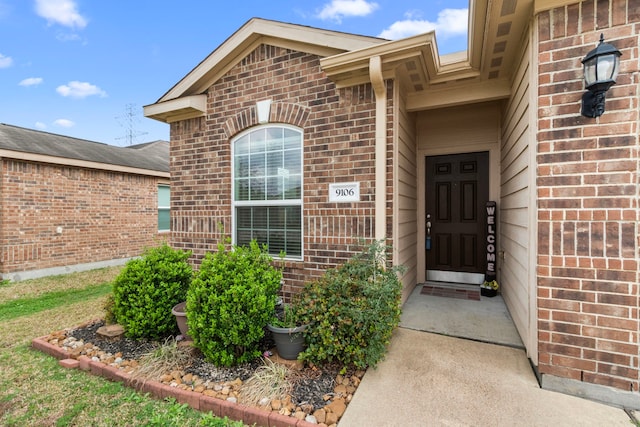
x=588, y=176
x=339, y=146
x=103, y=215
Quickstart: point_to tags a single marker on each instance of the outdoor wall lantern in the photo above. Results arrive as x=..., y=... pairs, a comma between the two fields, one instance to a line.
x=601, y=67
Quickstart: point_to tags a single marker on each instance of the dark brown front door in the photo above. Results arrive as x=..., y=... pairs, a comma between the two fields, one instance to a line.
x=457, y=191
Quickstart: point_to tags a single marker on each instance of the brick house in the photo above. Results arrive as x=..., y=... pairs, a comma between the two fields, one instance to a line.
x=309, y=140
x=68, y=204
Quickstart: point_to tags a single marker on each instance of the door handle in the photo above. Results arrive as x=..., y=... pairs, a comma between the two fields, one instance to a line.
x=428, y=237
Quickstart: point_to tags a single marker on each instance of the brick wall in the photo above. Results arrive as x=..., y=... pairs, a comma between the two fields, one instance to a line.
x=339, y=146
x=102, y=215
x=588, y=200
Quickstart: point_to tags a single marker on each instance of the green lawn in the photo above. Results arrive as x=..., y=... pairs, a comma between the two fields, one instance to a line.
x=36, y=391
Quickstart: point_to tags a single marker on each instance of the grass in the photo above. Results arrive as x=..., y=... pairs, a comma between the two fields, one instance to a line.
x=36, y=391
x=27, y=306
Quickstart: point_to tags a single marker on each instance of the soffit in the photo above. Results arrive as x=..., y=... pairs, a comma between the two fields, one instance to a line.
x=484, y=72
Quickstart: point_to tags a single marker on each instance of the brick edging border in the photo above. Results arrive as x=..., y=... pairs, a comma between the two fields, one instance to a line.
x=198, y=401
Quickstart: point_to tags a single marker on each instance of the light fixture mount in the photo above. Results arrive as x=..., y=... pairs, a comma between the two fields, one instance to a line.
x=600, y=66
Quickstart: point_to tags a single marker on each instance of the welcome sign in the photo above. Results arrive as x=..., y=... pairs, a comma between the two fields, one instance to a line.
x=491, y=240
x=490, y=286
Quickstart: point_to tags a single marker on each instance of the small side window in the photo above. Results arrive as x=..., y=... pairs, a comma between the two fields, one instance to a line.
x=164, y=204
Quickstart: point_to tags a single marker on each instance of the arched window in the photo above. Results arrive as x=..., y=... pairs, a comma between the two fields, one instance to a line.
x=267, y=188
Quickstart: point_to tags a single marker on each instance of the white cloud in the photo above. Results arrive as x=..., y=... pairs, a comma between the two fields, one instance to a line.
x=450, y=22
x=77, y=89
x=31, y=81
x=41, y=126
x=5, y=61
x=63, y=12
x=338, y=9
x=68, y=37
x=64, y=123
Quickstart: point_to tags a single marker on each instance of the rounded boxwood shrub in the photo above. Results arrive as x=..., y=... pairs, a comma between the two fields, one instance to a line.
x=146, y=290
x=351, y=310
x=230, y=301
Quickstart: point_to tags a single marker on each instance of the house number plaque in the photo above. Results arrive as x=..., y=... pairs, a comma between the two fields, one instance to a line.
x=344, y=192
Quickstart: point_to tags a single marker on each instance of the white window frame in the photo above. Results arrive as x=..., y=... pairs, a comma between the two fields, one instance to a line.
x=253, y=203
x=161, y=207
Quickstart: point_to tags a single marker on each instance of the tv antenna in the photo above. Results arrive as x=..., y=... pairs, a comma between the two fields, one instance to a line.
x=129, y=120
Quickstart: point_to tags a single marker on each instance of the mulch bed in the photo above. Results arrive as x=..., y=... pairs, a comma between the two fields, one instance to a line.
x=316, y=390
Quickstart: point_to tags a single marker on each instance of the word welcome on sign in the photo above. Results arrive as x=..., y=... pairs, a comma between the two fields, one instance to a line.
x=491, y=238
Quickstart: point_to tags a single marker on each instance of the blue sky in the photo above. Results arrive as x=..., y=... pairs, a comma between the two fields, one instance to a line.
x=85, y=68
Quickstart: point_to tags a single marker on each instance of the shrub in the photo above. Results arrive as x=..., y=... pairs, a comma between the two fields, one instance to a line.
x=146, y=290
x=352, y=310
x=230, y=301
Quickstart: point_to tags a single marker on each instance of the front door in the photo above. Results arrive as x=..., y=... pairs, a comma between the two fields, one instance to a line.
x=457, y=190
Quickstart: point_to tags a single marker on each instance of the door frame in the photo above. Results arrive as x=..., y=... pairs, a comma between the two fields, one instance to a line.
x=494, y=189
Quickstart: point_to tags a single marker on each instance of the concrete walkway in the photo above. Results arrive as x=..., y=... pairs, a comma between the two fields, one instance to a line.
x=487, y=320
x=444, y=368
x=428, y=379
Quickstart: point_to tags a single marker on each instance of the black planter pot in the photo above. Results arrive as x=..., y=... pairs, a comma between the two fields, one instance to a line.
x=488, y=292
x=289, y=341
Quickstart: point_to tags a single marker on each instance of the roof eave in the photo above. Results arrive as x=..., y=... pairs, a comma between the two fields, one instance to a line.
x=351, y=68
x=86, y=164
x=187, y=107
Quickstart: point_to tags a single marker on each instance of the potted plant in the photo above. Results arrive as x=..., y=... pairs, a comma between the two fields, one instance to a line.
x=489, y=287
x=180, y=312
x=287, y=329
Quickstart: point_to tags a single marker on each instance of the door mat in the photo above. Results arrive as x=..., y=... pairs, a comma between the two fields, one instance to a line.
x=451, y=292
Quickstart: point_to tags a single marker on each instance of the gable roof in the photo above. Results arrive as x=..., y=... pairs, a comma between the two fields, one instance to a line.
x=28, y=144
x=186, y=98
x=482, y=73
x=259, y=31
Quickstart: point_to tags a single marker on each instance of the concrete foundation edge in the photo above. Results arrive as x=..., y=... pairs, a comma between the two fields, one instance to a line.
x=599, y=393
x=17, y=276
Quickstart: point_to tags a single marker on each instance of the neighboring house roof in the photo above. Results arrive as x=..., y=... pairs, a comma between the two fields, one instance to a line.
x=29, y=144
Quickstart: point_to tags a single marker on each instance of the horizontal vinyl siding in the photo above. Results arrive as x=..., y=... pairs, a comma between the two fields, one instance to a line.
x=514, y=202
x=461, y=129
x=406, y=200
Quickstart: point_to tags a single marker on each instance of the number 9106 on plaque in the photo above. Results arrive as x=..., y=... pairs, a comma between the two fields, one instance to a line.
x=344, y=192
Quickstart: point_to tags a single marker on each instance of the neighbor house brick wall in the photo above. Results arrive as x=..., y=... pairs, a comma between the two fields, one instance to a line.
x=339, y=146
x=588, y=200
x=102, y=215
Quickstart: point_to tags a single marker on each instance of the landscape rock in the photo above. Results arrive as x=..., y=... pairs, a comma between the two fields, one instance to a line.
x=111, y=332
x=337, y=407
x=320, y=415
x=323, y=409
x=331, y=418
x=340, y=390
